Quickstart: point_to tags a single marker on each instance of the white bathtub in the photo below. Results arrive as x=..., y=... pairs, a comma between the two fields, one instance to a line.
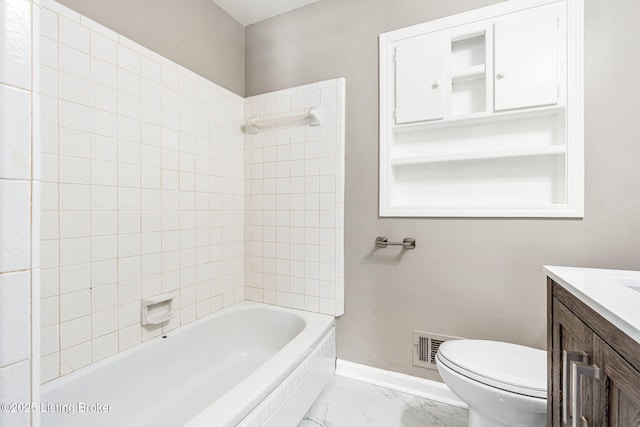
x=250, y=364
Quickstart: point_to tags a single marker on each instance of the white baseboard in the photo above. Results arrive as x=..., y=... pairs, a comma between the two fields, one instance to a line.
x=421, y=387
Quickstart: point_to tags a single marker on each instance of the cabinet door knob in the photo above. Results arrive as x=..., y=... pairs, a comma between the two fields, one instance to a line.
x=501, y=74
x=436, y=84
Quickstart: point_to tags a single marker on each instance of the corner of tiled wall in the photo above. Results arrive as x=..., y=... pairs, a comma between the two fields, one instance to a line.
x=19, y=191
x=142, y=191
x=340, y=186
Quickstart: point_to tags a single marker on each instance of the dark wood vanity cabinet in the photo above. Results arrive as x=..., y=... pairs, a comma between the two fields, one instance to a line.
x=593, y=367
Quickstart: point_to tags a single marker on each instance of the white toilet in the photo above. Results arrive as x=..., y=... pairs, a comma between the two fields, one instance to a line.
x=503, y=384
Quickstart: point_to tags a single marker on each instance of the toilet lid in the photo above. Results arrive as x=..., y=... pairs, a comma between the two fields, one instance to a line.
x=510, y=367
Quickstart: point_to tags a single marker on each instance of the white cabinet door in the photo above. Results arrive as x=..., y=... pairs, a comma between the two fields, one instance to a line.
x=526, y=58
x=420, y=83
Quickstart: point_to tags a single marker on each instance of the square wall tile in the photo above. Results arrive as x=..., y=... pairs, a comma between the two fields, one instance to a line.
x=75, y=224
x=73, y=34
x=15, y=49
x=104, y=48
x=49, y=54
x=49, y=282
x=15, y=316
x=128, y=59
x=104, y=148
x=75, y=251
x=74, y=116
x=74, y=305
x=104, y=272
x=74, y=143
x=104, y=322
x=75, y=197
x=104, y=346
x=104, y=98
x=77, y=277
x=49, y=168
x=103, y=198
x=74, y=89
x=104, y=297
x=49, y=367
x=75, y=357
x=104, y=73
x=74, y=332
x=74, y=62
x=74, y=170
x=50, y=337
x=149, y=69
x=15, y=133
x=49, y=24
x=15, y=217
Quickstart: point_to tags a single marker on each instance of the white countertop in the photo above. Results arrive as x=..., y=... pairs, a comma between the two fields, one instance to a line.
x=609, y=292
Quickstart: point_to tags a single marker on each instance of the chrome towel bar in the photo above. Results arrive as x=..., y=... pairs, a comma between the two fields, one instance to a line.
x=407, y=243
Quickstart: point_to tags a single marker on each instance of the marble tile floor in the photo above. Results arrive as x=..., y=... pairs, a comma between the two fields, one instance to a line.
x=350, y=403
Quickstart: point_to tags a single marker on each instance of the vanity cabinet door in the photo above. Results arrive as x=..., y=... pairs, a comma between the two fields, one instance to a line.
x=420, y=80
x=606, y=390
x=618, y=392
x=526, y=58
x=572, y=342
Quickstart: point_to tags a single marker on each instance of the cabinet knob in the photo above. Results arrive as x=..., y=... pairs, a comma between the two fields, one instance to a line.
x=501, y=74
x=436, y=84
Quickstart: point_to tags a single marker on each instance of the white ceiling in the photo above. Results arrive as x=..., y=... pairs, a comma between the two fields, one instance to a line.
x=248, y=12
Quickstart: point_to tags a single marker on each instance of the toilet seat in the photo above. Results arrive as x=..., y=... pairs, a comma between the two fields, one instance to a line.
x=510, y=367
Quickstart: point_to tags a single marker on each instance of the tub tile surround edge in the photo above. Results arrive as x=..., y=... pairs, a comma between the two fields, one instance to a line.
x=294, y=198
x=19, y=202
x=144, y=180
x=142, y=193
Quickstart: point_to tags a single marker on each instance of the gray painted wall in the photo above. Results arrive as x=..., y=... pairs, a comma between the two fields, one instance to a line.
x=476, y=278
x=196, y=34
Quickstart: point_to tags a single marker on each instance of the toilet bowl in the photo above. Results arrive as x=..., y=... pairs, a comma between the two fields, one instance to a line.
x=503, y=384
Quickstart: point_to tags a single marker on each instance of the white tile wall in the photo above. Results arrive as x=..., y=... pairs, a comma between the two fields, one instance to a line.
x=142, y=193
x=19, y=188
x=294, y=197
x=149, y=186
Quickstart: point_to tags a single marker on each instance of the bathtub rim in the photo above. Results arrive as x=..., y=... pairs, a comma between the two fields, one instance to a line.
x=268, y=375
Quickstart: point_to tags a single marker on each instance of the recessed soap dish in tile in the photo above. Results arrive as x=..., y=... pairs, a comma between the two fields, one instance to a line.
x=156, y=310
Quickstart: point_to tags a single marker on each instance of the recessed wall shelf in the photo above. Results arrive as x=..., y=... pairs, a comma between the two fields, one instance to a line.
x=481, y=114
x=455, y=157
x=471, y=73
x=480, y=118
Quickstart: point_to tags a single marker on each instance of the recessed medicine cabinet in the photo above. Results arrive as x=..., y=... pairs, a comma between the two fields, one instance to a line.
x=481, y=114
